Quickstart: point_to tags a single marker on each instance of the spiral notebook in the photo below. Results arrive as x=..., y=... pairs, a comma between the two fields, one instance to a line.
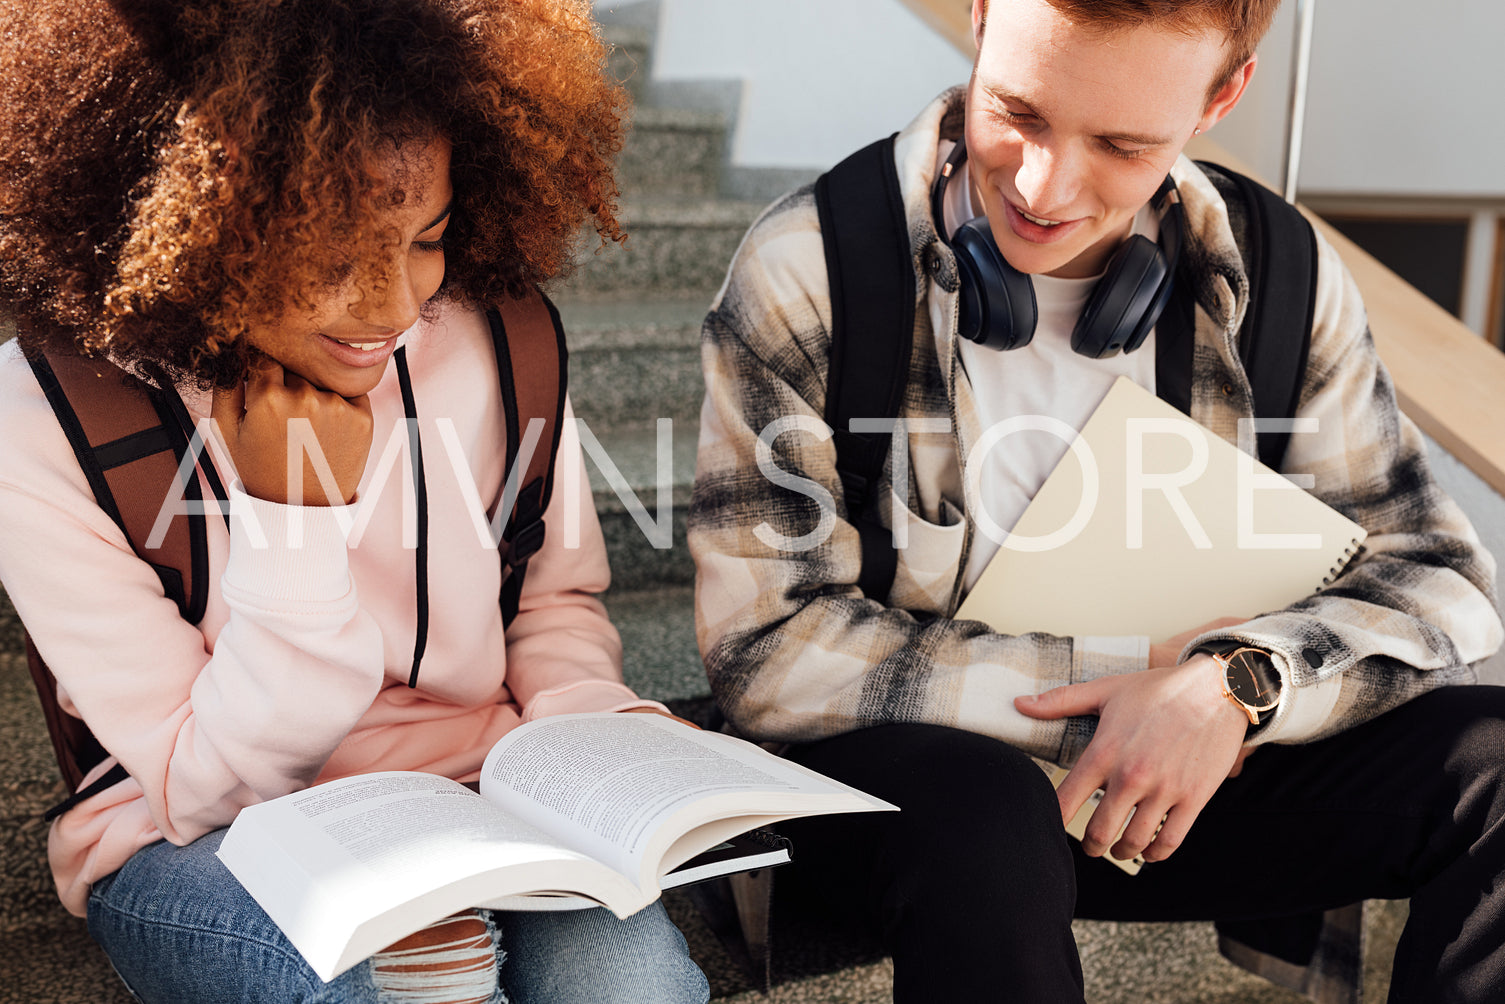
x=1152, y=525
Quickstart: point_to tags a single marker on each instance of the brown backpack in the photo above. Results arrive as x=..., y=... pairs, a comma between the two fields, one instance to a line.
x=131, y=439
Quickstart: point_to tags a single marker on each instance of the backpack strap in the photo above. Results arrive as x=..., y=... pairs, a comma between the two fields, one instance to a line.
x=130, y=440
x=1280, y=258
x=1276, y=337
x=130, y=443
x=529, y=339
x=73, y=745
x=869, y=270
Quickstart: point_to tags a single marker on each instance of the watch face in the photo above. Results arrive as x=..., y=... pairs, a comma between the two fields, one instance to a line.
x=1249, y=674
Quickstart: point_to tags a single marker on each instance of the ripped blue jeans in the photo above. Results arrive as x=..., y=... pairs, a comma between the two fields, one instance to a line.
x=180, y=930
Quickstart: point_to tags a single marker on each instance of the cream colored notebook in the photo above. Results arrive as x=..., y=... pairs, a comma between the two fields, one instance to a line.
x=1152, y=525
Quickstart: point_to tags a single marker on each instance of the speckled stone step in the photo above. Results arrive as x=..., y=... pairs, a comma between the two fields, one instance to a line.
x=628, y=60
x=634, y=361
x=673, y=248
x=659, y=656
x=646, y=543
x=30, y=783
x=672, y=152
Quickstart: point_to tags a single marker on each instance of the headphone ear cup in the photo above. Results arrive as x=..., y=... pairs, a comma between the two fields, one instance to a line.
x=1126, y=301
x=997, y=301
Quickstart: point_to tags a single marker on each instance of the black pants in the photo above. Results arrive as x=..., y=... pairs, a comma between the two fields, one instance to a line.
x=973, y=886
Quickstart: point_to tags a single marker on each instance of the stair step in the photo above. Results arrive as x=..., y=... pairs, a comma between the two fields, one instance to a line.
x=30, y=785
x=634, y=362
x=645, y=553
x=672, y=152
x=30, y=771
x=659, y=656
x=674, y=248
x=11, y=633
x=628, y=59
x=631, y=321
x=56, y=961
x=1147, y=964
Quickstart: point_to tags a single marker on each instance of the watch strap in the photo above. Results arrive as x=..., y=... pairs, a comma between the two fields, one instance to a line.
x=1222, y=646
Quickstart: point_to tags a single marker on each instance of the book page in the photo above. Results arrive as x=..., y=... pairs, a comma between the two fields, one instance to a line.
x=1152, y=525
x=407, y=827
x=349, y=866
x=609, y=785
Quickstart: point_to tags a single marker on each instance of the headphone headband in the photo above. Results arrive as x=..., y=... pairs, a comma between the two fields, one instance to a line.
x=997, y=301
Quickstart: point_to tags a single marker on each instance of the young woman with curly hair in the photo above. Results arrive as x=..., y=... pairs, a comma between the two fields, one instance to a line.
x=272, y=206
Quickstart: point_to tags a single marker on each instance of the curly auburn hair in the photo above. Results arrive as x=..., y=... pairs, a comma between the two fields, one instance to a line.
x=172, y=172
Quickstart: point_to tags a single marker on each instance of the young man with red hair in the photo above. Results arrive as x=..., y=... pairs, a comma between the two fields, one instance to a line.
x=1370, y=770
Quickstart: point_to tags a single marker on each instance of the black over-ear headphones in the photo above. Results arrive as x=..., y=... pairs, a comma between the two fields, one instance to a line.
x=998, y=301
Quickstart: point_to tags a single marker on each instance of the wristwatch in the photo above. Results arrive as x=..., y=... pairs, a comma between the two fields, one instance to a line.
x=1250, y=680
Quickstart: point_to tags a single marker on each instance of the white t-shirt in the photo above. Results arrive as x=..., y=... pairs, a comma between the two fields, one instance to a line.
x=1043, y=378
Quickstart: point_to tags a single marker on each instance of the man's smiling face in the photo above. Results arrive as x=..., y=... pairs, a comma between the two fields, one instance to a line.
x=1071, y=128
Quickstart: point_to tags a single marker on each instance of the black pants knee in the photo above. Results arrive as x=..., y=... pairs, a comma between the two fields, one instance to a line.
x=973, y=886
x=970, y=884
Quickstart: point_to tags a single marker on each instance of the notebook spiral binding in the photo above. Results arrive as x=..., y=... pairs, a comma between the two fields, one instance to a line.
x=1349, y=553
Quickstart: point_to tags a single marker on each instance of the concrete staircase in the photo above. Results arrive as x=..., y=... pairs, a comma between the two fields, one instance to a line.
x=633, y=314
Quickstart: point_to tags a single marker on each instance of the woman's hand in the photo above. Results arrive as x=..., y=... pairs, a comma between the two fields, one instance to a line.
x=291, y=442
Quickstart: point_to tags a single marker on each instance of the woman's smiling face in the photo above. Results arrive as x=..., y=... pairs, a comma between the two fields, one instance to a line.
x=343, y=344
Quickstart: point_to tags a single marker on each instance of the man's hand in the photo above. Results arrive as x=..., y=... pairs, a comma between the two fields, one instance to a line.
x=1166, y=738
x=256, y=420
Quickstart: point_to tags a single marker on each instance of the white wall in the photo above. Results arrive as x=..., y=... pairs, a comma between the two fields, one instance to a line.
x=1404, y=99
x=822, y=77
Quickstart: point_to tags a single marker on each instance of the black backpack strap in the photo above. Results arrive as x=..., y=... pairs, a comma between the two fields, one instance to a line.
x=872, y=283
x=1175, y=340
x=1276, y=336
x=529, y=339
x=130, y=440
x=1280, y=258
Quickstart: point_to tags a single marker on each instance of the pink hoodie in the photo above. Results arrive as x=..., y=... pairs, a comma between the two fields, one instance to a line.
x=298, y=671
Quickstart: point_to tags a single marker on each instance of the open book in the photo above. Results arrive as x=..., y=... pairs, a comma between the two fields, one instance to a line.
x=573, y=810
x=1152, y=525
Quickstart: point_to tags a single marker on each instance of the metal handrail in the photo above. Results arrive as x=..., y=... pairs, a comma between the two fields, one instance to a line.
x=1301, y=64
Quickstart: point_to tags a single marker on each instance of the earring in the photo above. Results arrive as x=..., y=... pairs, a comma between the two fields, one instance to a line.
x=1197, y=131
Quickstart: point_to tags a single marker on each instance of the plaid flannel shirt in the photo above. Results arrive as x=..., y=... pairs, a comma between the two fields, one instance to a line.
x=795, y=652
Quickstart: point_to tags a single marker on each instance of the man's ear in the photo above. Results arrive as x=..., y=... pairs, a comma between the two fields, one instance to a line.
x=979, y=18
x=1228, y=96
